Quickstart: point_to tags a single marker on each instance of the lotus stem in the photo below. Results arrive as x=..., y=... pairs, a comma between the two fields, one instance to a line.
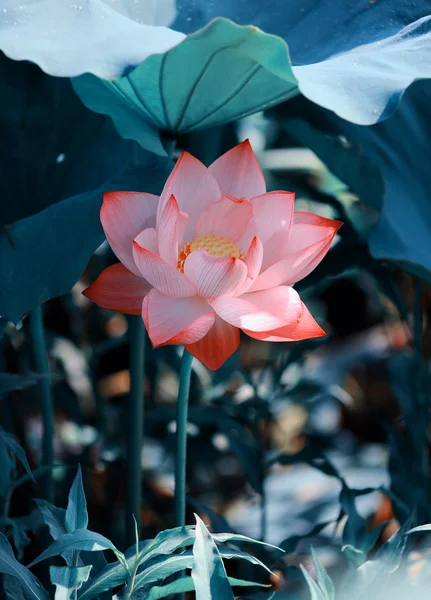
x=45, y=396
x=181, y=454
x=135, y=427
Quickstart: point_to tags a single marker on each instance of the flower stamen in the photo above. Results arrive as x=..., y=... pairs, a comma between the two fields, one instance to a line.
x=215, y=245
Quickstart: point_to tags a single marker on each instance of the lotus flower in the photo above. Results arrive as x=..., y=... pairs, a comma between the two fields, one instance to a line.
x=214, y=254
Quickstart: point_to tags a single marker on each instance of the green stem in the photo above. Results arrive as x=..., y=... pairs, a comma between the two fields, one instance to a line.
x=44, y=386
x=263, y=514
x=135, y=427
x=181, y=456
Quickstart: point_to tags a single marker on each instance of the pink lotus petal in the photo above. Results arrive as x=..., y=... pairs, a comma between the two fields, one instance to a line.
x=253, y=262
x=254, y=257
x=194, y=188
x=238, y=172
x=161, y=275
x=214, y=276
x=118, y=289
x=214, y=349
x=309, y=229
x=147, y=239
x=123, y=216
x=308, y=244
x=176, y=320
x=260, y=311
x=227, y=218
x=273, y=215
x=167, y=231
x=305, y=329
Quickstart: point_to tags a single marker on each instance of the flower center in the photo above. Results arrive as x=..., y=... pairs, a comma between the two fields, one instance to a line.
x=216, y=245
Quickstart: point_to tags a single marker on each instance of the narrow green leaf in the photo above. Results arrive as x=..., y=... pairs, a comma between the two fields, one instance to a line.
x=236, y=537
x=315, y=591
x=31, y=587
x=182, y=585
x=372, y=537
x=419, y=529
x=208, y=572
x=154, y=552
x=16, y=449
x=68, y=579
x=76, y=513
x=323, y=579
x=354, y=555
x=239, y=554
x=82, y=539
x=12, y=588
x=112, y=575
x=55, y=518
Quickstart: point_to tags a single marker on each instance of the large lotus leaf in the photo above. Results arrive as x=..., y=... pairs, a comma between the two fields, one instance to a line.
x=399, y=147
x=314, y=29
x=42, y=256
x=69, y=37
x=55, y=157
x=51, y=146
x=225, y=71
x=216, y=75
x=365, y=85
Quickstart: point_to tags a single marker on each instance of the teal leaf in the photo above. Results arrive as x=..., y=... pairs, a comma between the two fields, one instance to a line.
x=60, y=159
x=16, y=449
x=373, y=575
x=355, y=84
x=355, y=528
x=31, y=587
x=218, y=74
x=181, y=585
x=52, y=516
x=154, y=554
x=76, y=514
x=313, y=30
x=167, y=542
x=354, y=555
x=49, y=221
x=208, y=572
x=323, y=580
x=7, y=470
x=112, y=575
x=82, y=539
x=398, y=235
x=237, y=537
x=12, y=588
x=420, y=529
x=240, y=554
x=372, y=537
x=55, y=518
x=10, y=382
x=68, y=579
x=163, y=566
x=315, y=591
x=86, y=37
x=154, y=592
x=43, y=255
x=352, y=84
